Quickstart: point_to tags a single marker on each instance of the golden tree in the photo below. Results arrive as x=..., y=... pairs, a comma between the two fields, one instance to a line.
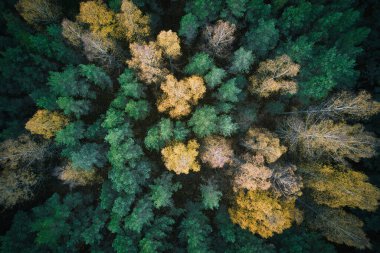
x=265, y=143
x=180, y=95
x=336, y=140
x=219, y=37
x=136, y=24
x=101, y=20
x=75, y=176
x=339, y=226
x=181, y=158
x=252, y=174
x=169, y=42
x=46, y=123
x=275, y=76
x=263, y=214
x=147, y=61
x=340, y=187
x=39, y=12
x=285, y=182
x=216, y=151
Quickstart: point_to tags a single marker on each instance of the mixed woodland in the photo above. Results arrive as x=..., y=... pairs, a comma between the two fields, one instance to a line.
x=195, y=126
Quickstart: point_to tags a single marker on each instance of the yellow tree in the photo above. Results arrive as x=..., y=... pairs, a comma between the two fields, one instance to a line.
x=339, y=226
x=262, y=214
x=275, y=76
x=216, y=151
x=46, y=123
x=101, y=20
x=39, y=12
x=181, y=158
x=147, y=61
x=335, y=140
x=136, y=24
x=180, y=95
x=340, y=187
x=75, y=176
x=169, y=42
x=265, y=143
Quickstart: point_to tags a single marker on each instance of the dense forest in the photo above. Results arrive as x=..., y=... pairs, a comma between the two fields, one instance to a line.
x=232, y=126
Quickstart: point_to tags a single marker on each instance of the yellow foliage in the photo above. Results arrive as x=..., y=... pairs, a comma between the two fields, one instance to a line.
x=39, y=12
x=73, y=176
x=169, y=42
x=259, y=212
x=46, y=123
x=102, y=21
x=181, y=158
x=180, y=95
x=136, y=24
x=353, y=191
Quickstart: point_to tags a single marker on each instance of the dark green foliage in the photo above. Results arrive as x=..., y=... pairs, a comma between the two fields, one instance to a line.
x=211, y=195
x=88, y=156
x=199, y=64
x=215, y=77
x=141, y=215
x=163, y=189
x=229, y=91
x=242, y=61
x=189, y=27
x=137, y=110
x=203, y=10
x=71, y=134
x=130, y=86
x=237, y=7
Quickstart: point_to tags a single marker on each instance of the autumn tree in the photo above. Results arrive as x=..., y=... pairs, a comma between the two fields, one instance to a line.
x=275, y=76
x=265, y=143
x=216, y=151
x=72, y=32
x=262, y=214
x=335, y=140
x=354, y=189
x=169, y=42
x=135, y=23
x=100, y=19
x=148, y=62
x=219, y=37
x=181, y=158
x=339, y=226
x=180, y=95
x=76, y=177
x=46, y=123
x=285, y=181
x=39, y=12
x=252, y=174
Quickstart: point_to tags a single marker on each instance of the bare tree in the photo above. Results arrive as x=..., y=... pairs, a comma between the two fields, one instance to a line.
x=285, y=182
x=219, y=38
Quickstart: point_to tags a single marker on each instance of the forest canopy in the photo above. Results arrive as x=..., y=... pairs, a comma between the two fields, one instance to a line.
x=189, y=126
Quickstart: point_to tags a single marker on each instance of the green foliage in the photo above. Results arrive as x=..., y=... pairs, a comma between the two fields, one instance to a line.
x=211, y=195
x=215, y=77
x=71, y=134
x=129, y=85
x=203, y=10
x=229, y=91
x=189, y=27
x=88, y=156
x=237, y=7
x=141, y=215
x=199, y=64
x=163, y=189
x=242, y=61
x=138, y=110
x=204, y=121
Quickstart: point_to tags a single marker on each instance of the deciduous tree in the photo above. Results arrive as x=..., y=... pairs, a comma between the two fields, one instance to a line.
x=216, y=151
x=46, y=123
x=76, y=177
x=219, y=38
x=39, y=12
x=169, y=42
x=285, y=181
x=181, y=158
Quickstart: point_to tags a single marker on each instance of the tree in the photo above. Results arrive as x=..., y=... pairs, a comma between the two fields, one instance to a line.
x=138, y=110
x=216, y=151
x=238, y=8
x=219, y=38
x=327, y=138
x=229, y=91
x=130, y=86
x=285, y=182
x=141, y=215
x=163, y=189
x=211, y=195
x=169, y=42
x=261, y=38
x=199, y=64
x=195, y=230
x=181, y=158
x=136, y=24
x=46, y=123
x=101, y=20
x=204, y=121
x=75, y=176
x=259, y=212
x=242, y=61
x=252, y=174
x=17, y=186
x=89, y=155
x=72, y=32
x=215, y=77
x=274, y=76
x=39, y=12
x=147, y=61
x=354, y=190
x=340, y=227
x=264, y=143
x=189, y=27
x=180, y=95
